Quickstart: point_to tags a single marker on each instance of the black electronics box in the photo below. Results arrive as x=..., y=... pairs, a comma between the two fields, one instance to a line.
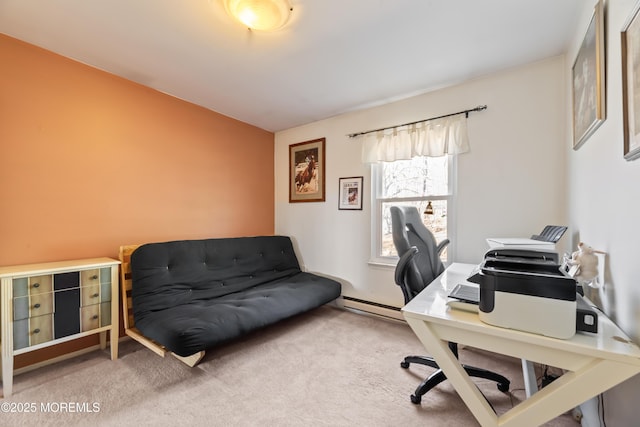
x=586, y=317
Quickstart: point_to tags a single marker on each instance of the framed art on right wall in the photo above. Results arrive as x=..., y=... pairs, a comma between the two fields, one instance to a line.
x=588, y=80
x=631, y=84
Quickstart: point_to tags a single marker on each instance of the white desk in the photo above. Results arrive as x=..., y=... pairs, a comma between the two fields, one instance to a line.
x=594, y=362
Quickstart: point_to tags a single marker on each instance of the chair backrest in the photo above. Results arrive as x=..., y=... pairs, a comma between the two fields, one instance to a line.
x=408, y=231
x=551, y=233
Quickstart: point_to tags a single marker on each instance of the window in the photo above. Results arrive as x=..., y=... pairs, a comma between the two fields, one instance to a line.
x=420, y=181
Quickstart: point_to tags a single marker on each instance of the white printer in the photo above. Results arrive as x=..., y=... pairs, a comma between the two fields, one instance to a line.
x=524, y=289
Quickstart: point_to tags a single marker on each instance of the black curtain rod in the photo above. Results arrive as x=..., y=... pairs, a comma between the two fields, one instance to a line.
x=465, y=112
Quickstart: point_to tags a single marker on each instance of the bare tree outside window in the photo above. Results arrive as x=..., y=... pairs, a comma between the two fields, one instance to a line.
x=416, y=182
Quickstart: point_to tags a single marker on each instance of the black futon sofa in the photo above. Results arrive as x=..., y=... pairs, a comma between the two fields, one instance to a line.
x=192, y=295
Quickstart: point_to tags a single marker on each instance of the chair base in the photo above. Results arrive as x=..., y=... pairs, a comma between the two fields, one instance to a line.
x=438, y=376
x=420, y=360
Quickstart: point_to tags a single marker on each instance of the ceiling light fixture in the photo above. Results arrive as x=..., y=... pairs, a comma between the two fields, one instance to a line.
x=261, y=15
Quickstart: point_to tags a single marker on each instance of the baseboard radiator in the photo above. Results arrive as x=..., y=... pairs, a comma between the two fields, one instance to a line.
x=371, y=307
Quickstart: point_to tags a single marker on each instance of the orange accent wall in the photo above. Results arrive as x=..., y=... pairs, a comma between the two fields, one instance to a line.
x=90, y=161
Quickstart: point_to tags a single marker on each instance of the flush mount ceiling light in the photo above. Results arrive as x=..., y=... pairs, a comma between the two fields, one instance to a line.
x=261, y=15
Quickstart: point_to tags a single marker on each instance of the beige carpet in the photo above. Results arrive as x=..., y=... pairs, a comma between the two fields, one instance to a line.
x=329, y=367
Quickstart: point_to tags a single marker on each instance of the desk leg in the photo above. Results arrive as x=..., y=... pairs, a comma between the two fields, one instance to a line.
x=455, y=373
x=589, y=379
x=567, y=392
x=530, y=381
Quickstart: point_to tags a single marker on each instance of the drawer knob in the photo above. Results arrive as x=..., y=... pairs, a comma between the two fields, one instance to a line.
x=94, y=277
x=36, y=285
x=95, y=316
x=36, y=331
x=96, y=295
x=36, y=305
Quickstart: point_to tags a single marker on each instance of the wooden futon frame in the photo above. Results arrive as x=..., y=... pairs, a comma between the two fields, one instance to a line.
x=127, y=309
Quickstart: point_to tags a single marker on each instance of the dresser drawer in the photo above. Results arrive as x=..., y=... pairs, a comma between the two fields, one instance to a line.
x=41, y=329
x=20, y=334
x=20, y=287
x=32, y=331
x=90, y=317
x=90, y=286
x=105, y=284
x=32, y=306
x=90, y=295
x=90, y=277
x=40, y=284
x=69, y=280
x=105, y=313
x=66, y=319
x=20, y=308
x=41, y=304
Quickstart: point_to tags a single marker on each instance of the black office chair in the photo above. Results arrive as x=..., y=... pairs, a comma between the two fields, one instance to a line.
x=418, y=266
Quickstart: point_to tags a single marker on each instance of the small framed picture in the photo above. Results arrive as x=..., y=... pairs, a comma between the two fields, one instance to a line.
x=306, y=171
x=631, y=85
x=350, y=193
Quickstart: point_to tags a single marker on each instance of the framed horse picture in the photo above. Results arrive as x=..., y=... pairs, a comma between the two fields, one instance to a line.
x=306, y=171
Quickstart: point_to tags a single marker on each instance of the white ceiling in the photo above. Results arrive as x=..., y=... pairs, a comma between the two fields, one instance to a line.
x=332, y=57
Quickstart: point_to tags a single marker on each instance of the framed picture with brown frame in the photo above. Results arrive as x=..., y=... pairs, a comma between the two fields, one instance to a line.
x=588, y=75
x=306, y=171
x=631, y=84
x=350, y=193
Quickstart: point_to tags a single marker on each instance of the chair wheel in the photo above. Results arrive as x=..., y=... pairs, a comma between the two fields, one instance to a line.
x=415, y=399
x=404, y=365
x=504, y=387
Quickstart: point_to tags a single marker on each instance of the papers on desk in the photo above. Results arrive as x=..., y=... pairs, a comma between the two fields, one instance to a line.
x=521, y=243
x=456, y=304
x=464, y=297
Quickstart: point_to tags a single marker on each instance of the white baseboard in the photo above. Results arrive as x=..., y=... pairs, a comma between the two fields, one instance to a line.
x=369, y=307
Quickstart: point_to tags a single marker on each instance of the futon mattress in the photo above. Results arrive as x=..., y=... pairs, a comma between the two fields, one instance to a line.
x=195, y=294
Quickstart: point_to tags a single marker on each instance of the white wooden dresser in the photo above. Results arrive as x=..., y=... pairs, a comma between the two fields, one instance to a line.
x=50, y=303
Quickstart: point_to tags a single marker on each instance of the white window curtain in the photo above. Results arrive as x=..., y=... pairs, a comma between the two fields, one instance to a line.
x=432, y=138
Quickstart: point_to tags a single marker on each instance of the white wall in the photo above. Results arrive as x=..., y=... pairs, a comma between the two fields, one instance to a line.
x=520, y=175
x=604, y=208
x=511, y=184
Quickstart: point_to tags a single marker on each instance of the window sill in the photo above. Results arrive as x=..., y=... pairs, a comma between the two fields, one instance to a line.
x=387, y=264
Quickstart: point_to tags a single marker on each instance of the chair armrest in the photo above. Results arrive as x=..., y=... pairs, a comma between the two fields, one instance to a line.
x=442, y=245
x=402, y=264
x=400, y=270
